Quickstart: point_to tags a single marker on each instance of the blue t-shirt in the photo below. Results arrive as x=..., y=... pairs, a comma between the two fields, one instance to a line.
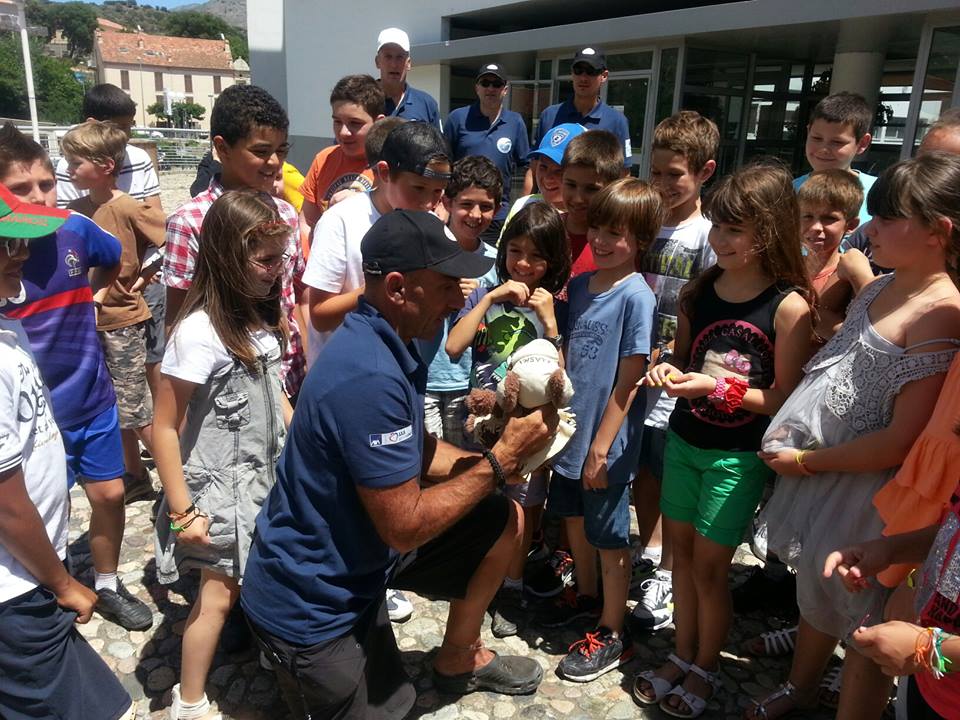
x=443, y=374
x=57, y=314
x=866, y=182
x=415, y=105
x=317, y=562
x=505, y=142
x=602, y=329
x=602, y=117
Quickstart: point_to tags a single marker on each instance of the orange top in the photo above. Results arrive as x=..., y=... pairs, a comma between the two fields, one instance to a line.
x=919, y=494
x=332, y=171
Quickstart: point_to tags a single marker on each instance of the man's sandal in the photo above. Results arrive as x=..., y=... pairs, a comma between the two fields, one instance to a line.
x=660, y=686
x=695, y=704
x=788, y=692
x=776, y=643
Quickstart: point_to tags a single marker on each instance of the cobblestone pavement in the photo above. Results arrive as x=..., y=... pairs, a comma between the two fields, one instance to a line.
x=148, y=662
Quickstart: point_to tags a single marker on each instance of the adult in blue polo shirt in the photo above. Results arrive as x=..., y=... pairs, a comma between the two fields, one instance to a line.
x=348, y=514
x=486, y=128
x=590, y=72
x=393, y=62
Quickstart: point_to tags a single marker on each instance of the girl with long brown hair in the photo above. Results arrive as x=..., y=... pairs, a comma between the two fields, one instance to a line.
x=220, y=372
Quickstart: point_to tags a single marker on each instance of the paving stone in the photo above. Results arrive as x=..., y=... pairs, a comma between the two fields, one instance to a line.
x=120, y=649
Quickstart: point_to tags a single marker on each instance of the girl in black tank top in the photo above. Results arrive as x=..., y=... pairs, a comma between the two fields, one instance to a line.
x=743, y=334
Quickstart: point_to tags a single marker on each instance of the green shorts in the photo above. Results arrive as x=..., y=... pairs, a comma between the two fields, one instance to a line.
x=716, y=491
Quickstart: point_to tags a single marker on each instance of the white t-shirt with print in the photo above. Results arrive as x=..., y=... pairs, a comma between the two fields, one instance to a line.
x=195, y=352
x=335, y=264
x=678, y=255
x=29, y=438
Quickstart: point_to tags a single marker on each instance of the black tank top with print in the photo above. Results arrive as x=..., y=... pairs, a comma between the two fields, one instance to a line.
x=729, y=340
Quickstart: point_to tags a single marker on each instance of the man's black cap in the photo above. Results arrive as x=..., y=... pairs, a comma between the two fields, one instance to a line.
x=408, y=240
x=412, y=146
x=592, y=56
x=492, y=69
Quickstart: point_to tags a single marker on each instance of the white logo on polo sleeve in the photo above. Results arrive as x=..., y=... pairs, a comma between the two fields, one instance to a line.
x=392, y=438
x=504, y=144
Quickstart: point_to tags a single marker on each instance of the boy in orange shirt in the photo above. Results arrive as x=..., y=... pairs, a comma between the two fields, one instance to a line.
x=357, y=102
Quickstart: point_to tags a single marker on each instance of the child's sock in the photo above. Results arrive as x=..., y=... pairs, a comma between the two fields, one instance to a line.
x=653, y=554
x=189, y=711
x=511, y=584
x=105, y=581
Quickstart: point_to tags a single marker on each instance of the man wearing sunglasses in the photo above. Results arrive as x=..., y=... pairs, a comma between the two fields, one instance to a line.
x=486, y=128
x=589, y=71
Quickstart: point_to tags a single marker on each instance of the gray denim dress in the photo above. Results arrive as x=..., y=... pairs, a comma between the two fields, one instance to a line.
x=233, y=437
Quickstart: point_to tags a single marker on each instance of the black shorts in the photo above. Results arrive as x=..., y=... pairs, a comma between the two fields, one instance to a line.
x=156, y=296
x=47, y=668
x=360, y=675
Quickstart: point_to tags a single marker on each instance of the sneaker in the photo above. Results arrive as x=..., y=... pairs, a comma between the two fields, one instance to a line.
x=597, y=653
x=398, y=607
x=569, y=607
x=655, y=607
x=539, y=550
x=643, y=568
x=122, y=608
x=547, y=579
x=137, y=488
x=761, y=592
x=509, y=609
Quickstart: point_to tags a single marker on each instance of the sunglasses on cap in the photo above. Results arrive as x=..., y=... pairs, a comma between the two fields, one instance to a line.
x=491, y=83
x=584, y=69
x=12, y=246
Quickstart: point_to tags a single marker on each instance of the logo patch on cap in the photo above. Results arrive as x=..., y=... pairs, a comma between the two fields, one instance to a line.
x=588, y=51
x=450, y=236
x=504, y=145
x=558, y=136
x=492, y=67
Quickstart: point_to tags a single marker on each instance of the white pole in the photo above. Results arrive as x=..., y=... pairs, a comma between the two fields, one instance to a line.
x=28, y=69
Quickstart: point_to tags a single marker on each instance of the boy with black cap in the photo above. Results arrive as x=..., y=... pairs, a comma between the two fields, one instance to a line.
x=590, y=72
x=348, y=514
x=47, y=669
x=486, y=128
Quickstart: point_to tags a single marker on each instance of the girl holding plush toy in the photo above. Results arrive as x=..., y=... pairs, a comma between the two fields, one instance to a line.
x=533, y=263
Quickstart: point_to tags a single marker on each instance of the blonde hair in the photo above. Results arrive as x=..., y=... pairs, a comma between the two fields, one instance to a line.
x=836, y=189
x=98, y=142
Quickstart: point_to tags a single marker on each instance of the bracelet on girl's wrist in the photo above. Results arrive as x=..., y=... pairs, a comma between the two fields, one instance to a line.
x=727, y=394
x=799, y=458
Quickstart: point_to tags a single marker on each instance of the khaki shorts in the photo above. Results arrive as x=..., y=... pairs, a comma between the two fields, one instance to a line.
x=125, y=350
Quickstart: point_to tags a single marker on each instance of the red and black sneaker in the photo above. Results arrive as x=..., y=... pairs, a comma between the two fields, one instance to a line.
x=568, y=607
x=549, y=578
x=597, y=653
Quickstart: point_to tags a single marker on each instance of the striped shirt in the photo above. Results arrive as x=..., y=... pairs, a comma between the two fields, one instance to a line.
x=137, y=178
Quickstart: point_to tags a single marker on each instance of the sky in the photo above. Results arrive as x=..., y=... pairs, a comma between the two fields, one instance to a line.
x=162, y=3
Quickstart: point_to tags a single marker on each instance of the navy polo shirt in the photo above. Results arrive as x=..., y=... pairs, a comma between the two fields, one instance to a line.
x=505, y=142
x=602, y=117
x=317, y=562
x=415, y=105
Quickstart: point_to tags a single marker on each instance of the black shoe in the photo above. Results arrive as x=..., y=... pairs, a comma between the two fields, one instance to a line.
x=597, y=653
x=505, y=674
x=509, y=609
x=236, y=636
x=547, y=579
x=569, y=607
x=137, y=488
x=122, y=608
x=761, y=592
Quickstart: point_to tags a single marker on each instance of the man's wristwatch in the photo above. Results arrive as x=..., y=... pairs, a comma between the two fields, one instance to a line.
x=498, y=474
x=556, y=341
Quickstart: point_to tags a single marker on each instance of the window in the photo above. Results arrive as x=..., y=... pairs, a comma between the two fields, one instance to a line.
x=158, y=81
x=124, y=79
x=216, y=85
x=188, y=83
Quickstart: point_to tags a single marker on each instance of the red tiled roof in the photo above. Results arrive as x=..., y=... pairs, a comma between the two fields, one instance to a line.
x=105, y=24
x=163, y=51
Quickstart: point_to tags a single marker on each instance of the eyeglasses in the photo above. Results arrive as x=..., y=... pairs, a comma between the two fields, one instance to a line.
x=271, y=264
x=587, y=70
x=13, y=245
x=491, y=83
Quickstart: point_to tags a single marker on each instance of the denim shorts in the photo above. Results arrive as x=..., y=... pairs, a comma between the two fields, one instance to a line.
x=652, y=447
x=94, y=450
x=605, y=513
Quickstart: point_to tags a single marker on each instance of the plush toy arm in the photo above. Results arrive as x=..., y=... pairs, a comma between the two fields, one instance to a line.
x=509, y=392
x=559, y=388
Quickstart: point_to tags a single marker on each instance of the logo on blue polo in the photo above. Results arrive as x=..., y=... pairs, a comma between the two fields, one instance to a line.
x=558, y=136
x=392, y=438
x=504, y=145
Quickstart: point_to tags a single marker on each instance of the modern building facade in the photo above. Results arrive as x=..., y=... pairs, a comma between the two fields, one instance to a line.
x=756, y=67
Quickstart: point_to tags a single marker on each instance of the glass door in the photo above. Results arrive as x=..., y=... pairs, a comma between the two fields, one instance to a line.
x=630, y=95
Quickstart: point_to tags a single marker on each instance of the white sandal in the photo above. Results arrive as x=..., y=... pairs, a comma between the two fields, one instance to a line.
x=776, y=643
x=660, y=686
x=786, y=690
x=694, y=703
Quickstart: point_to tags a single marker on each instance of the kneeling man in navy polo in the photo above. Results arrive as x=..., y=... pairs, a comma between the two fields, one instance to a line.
x=365, y=498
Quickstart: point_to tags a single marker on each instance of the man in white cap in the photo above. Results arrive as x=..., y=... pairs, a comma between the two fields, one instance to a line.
x=393, y=62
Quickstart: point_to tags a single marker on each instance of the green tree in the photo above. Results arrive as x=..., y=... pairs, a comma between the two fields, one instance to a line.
x=77, y=20
x=203, y=25
x=181, y=113
x=59, y=95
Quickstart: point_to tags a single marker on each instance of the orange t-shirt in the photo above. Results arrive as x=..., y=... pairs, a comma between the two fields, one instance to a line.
x=332, y=171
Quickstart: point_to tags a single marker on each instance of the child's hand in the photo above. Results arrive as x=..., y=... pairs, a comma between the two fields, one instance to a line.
x=468, y=285
x=197, y=533
x=511, y=291
x=856, y=563
x=891, y=646
x=690, y=385
x=542, y=303
x=594, y=474
x=78, y=598
x=782, y=462
x=658, y=375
